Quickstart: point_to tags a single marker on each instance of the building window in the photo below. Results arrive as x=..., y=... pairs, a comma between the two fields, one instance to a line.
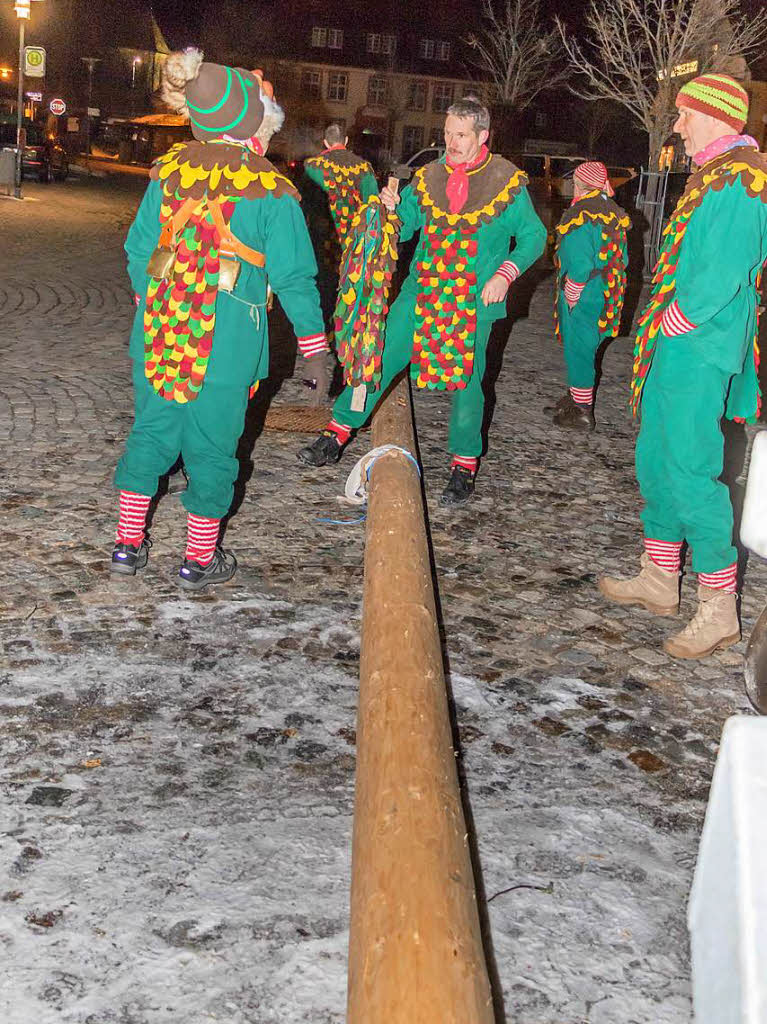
x=443, y=97
x=474, y=91
x=388, y=44
x=442, y=51
x=540, y=119
x=374, y=42
x=338, y=86
x=376, y=91
x=335, y=38
x=311, y=84
x=319, y=36
x=416, y=95
x=426, y=48
x=412, y=140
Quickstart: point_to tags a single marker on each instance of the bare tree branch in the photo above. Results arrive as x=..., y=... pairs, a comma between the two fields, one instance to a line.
x=632, y=49
x=517, y=54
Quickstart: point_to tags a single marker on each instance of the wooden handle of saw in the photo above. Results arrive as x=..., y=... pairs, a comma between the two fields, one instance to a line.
x=392, y=184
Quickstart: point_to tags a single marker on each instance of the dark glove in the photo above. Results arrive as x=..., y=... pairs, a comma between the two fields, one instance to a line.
x=316, y=377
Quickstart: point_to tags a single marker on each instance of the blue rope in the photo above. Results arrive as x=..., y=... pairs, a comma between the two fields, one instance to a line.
x=342, y=522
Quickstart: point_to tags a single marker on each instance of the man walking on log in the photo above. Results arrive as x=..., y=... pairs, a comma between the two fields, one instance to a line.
x=695, y=362
x=590, y=261
x=216, y=218
x=467, y=208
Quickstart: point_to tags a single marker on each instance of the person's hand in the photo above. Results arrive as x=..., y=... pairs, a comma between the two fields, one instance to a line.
x=389, y=198
x=315, y=376
x=495, y=290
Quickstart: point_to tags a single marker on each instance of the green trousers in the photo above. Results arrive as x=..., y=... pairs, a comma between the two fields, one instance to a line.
x=580, y=334
x=204, y=432
x=680, y=454
x=468, y=406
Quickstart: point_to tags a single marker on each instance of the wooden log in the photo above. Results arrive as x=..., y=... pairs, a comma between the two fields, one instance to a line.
x=415, y=947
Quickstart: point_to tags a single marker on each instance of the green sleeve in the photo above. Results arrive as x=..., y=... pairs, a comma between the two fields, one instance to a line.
x=578, y=253
x=528, y=231
x=409, y=213
x=314, y=172
x=368, y=186
x=143, y=236
x=291, y=266
x=722, y=243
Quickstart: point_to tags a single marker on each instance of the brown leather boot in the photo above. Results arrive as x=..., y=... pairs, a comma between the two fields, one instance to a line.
x=574, y=416
x=653, y=589
x=713, y=627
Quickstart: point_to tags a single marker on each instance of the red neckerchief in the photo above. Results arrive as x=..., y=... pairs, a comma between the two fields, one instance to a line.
x=336, y=145
x=253, y=144
x=722, y=145
x=457, y=187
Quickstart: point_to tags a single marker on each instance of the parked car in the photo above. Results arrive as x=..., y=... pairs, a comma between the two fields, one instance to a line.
x=404, y=171
x=551, y=174
x=43, y=157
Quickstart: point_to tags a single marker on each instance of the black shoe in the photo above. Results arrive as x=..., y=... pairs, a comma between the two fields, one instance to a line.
x=326, y=448
x=127, y=559
x=566, y=397
x=460, y=486
x=574, y=416
x=193, y=576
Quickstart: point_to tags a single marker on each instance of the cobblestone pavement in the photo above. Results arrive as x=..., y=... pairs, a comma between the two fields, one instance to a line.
x=178, y=773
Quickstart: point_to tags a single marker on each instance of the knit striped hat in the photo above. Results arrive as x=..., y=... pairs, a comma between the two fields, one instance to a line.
x=718, y=95
x=594, y=174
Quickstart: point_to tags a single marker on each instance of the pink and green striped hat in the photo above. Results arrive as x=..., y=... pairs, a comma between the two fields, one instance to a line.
x=718, y=95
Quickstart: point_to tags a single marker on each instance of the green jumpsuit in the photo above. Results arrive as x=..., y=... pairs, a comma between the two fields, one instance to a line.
x=205, y=430
x=591, y=251
x=707, y=279
x=498, y=209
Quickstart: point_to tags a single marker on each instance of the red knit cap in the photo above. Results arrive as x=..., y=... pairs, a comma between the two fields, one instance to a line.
x=718, y=95
x=594, y=174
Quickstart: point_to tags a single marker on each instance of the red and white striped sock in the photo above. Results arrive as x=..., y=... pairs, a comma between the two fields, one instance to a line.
x=724, y=579
x=201, y=537
x=665, y=553
x=582, y=396
x=342, y=432
x=312, y=344
x=132, y=523
x=466, y=462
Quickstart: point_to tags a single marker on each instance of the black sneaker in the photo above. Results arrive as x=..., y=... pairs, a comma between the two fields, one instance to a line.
x=574, y=416
x=326, y=448
x=193, y=576
x=460, y=486
x=127, y=559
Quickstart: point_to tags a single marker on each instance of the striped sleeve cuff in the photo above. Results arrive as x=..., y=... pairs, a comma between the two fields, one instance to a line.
x=573, y=290
x=508, y=271
x=312, y=344
x=674, y=322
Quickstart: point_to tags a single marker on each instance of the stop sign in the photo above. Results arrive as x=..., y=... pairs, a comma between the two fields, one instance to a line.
x=58, y=106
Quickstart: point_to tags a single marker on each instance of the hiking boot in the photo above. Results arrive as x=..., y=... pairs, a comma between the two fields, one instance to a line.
x=193, y=576
x=127, y=559
x=653, y=589
x=714, y=626
x=324, y=449
x=574, y=416
x=559, y=405
x=460, y=486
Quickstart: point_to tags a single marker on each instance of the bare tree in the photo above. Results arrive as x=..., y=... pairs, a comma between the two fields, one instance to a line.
x=516, y=52
x=635, y=50
x=598, y=117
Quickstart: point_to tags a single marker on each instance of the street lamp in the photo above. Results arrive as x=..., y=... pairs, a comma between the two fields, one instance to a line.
x=23, y=10
x=90, y=63
x=136, y=62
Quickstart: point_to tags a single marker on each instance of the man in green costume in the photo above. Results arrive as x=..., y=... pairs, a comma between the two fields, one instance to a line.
x=467, y=208
x=695, y=362
x=591, y=261
x=215, y=221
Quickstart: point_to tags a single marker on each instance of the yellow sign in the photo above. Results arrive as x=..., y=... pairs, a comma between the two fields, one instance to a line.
x=34, y=61
x=689, y=68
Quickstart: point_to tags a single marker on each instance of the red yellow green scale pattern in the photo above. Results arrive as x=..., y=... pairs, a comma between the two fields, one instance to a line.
x=342, y=184
x=180, y=315
x=365, y=280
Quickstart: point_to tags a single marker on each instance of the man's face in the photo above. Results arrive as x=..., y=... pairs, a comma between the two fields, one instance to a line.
x=697, y=130
x=462, y=142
